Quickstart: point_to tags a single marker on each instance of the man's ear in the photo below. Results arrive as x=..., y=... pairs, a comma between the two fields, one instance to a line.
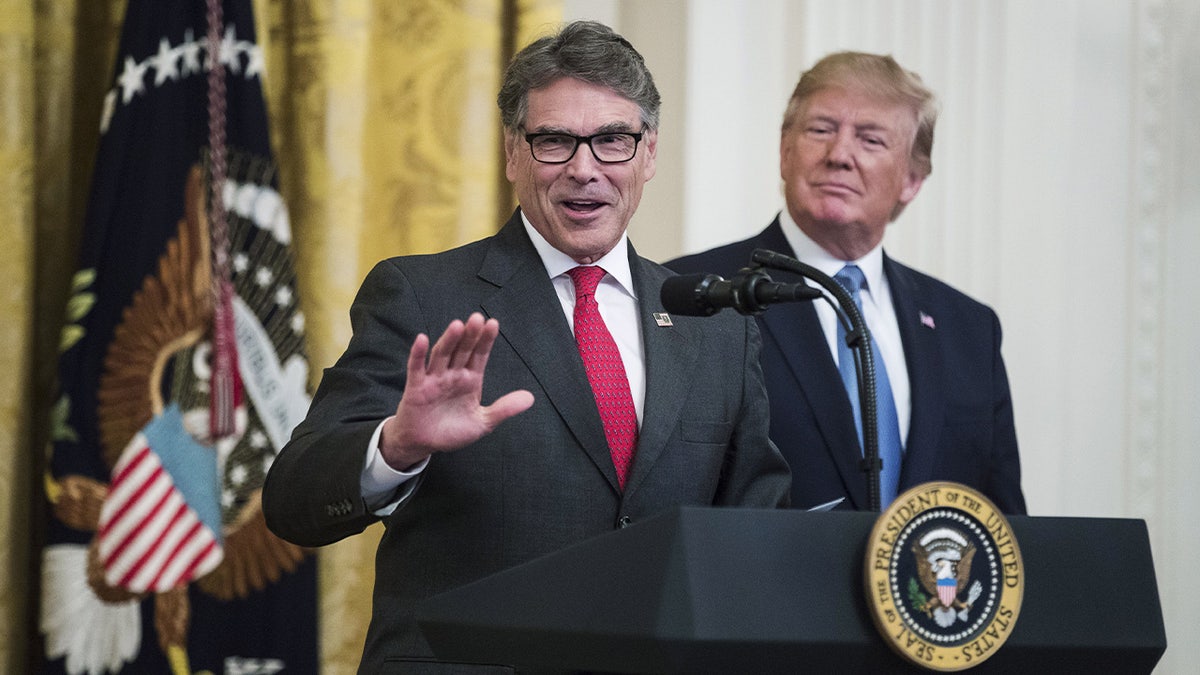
x=511, y=141
x=650, y=143
x=912, y=185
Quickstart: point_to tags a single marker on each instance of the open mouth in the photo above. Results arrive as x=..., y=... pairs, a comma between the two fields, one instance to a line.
x=583, y=206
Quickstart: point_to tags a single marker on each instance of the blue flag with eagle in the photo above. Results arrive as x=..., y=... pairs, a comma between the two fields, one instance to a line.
x=182, y=371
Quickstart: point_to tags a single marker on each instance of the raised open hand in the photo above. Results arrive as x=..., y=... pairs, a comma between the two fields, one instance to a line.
x=441, y=408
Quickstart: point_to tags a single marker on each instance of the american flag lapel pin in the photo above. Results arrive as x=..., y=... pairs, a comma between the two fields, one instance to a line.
x=663, y=319
x=927, y=321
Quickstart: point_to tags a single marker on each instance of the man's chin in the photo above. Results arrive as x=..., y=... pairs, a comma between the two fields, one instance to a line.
x=590, y=245
x=833, y=219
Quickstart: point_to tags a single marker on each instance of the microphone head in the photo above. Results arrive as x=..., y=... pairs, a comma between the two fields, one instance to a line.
x=686, y=295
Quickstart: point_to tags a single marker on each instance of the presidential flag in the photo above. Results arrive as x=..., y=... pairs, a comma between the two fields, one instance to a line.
x=182, y=371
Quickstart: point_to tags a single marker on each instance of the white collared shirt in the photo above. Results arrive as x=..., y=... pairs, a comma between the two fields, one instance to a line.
x=878, y=311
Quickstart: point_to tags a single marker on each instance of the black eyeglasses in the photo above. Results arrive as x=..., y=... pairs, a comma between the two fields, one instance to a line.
x=609, y=147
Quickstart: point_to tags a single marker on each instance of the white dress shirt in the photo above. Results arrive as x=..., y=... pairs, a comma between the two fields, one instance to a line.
x=877, y=309
x=380, y=483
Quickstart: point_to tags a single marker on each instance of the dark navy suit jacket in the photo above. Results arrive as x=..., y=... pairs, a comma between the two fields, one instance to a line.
x=962, y=417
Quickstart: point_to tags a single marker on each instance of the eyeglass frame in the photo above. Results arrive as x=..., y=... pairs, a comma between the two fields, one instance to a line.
x=585, y=140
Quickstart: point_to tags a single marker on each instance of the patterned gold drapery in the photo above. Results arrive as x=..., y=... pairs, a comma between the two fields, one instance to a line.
x=385, y=129
x=17, y=155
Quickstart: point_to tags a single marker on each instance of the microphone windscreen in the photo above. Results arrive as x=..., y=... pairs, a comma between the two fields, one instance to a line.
x=684, y=295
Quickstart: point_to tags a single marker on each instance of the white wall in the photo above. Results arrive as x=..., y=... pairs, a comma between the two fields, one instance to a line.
x=1065, y=193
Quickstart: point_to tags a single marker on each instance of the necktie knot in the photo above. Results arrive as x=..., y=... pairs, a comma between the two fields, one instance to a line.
x=851, y=278
x=586, y=278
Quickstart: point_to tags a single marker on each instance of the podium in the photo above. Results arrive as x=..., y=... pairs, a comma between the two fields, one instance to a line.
x=702, y=590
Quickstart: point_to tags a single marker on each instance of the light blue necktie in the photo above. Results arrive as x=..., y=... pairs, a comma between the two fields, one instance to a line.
x=890, y=449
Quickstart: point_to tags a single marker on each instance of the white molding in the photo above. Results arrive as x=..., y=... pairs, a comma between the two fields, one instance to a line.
x=1147, y=249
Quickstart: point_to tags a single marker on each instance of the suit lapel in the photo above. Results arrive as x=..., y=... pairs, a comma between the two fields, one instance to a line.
x=922, y=350
x=522, y=302
x=670, y=354
x=794, y=330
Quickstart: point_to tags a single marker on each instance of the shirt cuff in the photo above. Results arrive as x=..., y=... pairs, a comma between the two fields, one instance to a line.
x=384, y=488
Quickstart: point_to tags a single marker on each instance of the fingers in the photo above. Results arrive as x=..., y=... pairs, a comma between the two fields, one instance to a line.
x=477, y=358
x=416, y=360
x=512, y=403
x=464, y=345
x=478, y=336
x=439, y=356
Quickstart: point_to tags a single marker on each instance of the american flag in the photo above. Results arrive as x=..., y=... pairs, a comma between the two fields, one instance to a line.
x=153, y=532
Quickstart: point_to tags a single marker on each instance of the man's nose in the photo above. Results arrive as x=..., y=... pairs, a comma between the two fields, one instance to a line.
x=583, y=164
x=840, y=151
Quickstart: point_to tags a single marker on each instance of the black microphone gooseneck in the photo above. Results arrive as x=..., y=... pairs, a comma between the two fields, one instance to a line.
x=858, y=339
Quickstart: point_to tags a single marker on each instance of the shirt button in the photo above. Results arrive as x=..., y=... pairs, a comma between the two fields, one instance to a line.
x=624, y=521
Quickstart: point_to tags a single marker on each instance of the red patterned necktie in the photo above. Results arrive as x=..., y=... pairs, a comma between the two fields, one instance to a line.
x=605, y=371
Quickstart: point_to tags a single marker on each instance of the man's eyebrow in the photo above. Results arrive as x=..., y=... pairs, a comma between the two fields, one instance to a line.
x=610, y=128
x=860, y=126
x=820, y=119
x=872, y=126
x=615, y=128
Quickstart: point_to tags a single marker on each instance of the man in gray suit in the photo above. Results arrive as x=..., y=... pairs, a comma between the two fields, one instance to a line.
x=398, y=430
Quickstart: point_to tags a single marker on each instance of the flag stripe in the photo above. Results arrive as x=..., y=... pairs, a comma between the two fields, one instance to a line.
x=144, y=560
x=199, y=556
x=126, y=485
x=148, y=544
x=114, y=546
x=120, y=516
x=142, y=531
x=124, y=467
x=186, y=531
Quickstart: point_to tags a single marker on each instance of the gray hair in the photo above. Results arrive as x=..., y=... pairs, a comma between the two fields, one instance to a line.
x=881, y=76
x=583, y=50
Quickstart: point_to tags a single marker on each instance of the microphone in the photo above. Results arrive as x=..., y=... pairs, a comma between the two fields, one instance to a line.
x=748, y=292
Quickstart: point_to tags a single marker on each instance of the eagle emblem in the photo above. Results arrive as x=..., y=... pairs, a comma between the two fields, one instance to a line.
x=158, y=362
x=944, y=578
x=943, y=559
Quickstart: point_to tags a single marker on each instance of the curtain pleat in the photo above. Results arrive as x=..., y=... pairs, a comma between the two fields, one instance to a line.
x=17, y=199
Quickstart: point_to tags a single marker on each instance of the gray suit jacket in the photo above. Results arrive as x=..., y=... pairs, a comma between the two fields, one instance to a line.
x=542, y=480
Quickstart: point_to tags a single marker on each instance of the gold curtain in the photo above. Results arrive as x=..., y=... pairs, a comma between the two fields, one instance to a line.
x=385, y=128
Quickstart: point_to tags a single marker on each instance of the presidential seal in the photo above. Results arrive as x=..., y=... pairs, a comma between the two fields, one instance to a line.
x=944, y=577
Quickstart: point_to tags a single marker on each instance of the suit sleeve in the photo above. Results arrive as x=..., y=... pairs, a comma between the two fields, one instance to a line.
x=312, y=494
x=1004, y=478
